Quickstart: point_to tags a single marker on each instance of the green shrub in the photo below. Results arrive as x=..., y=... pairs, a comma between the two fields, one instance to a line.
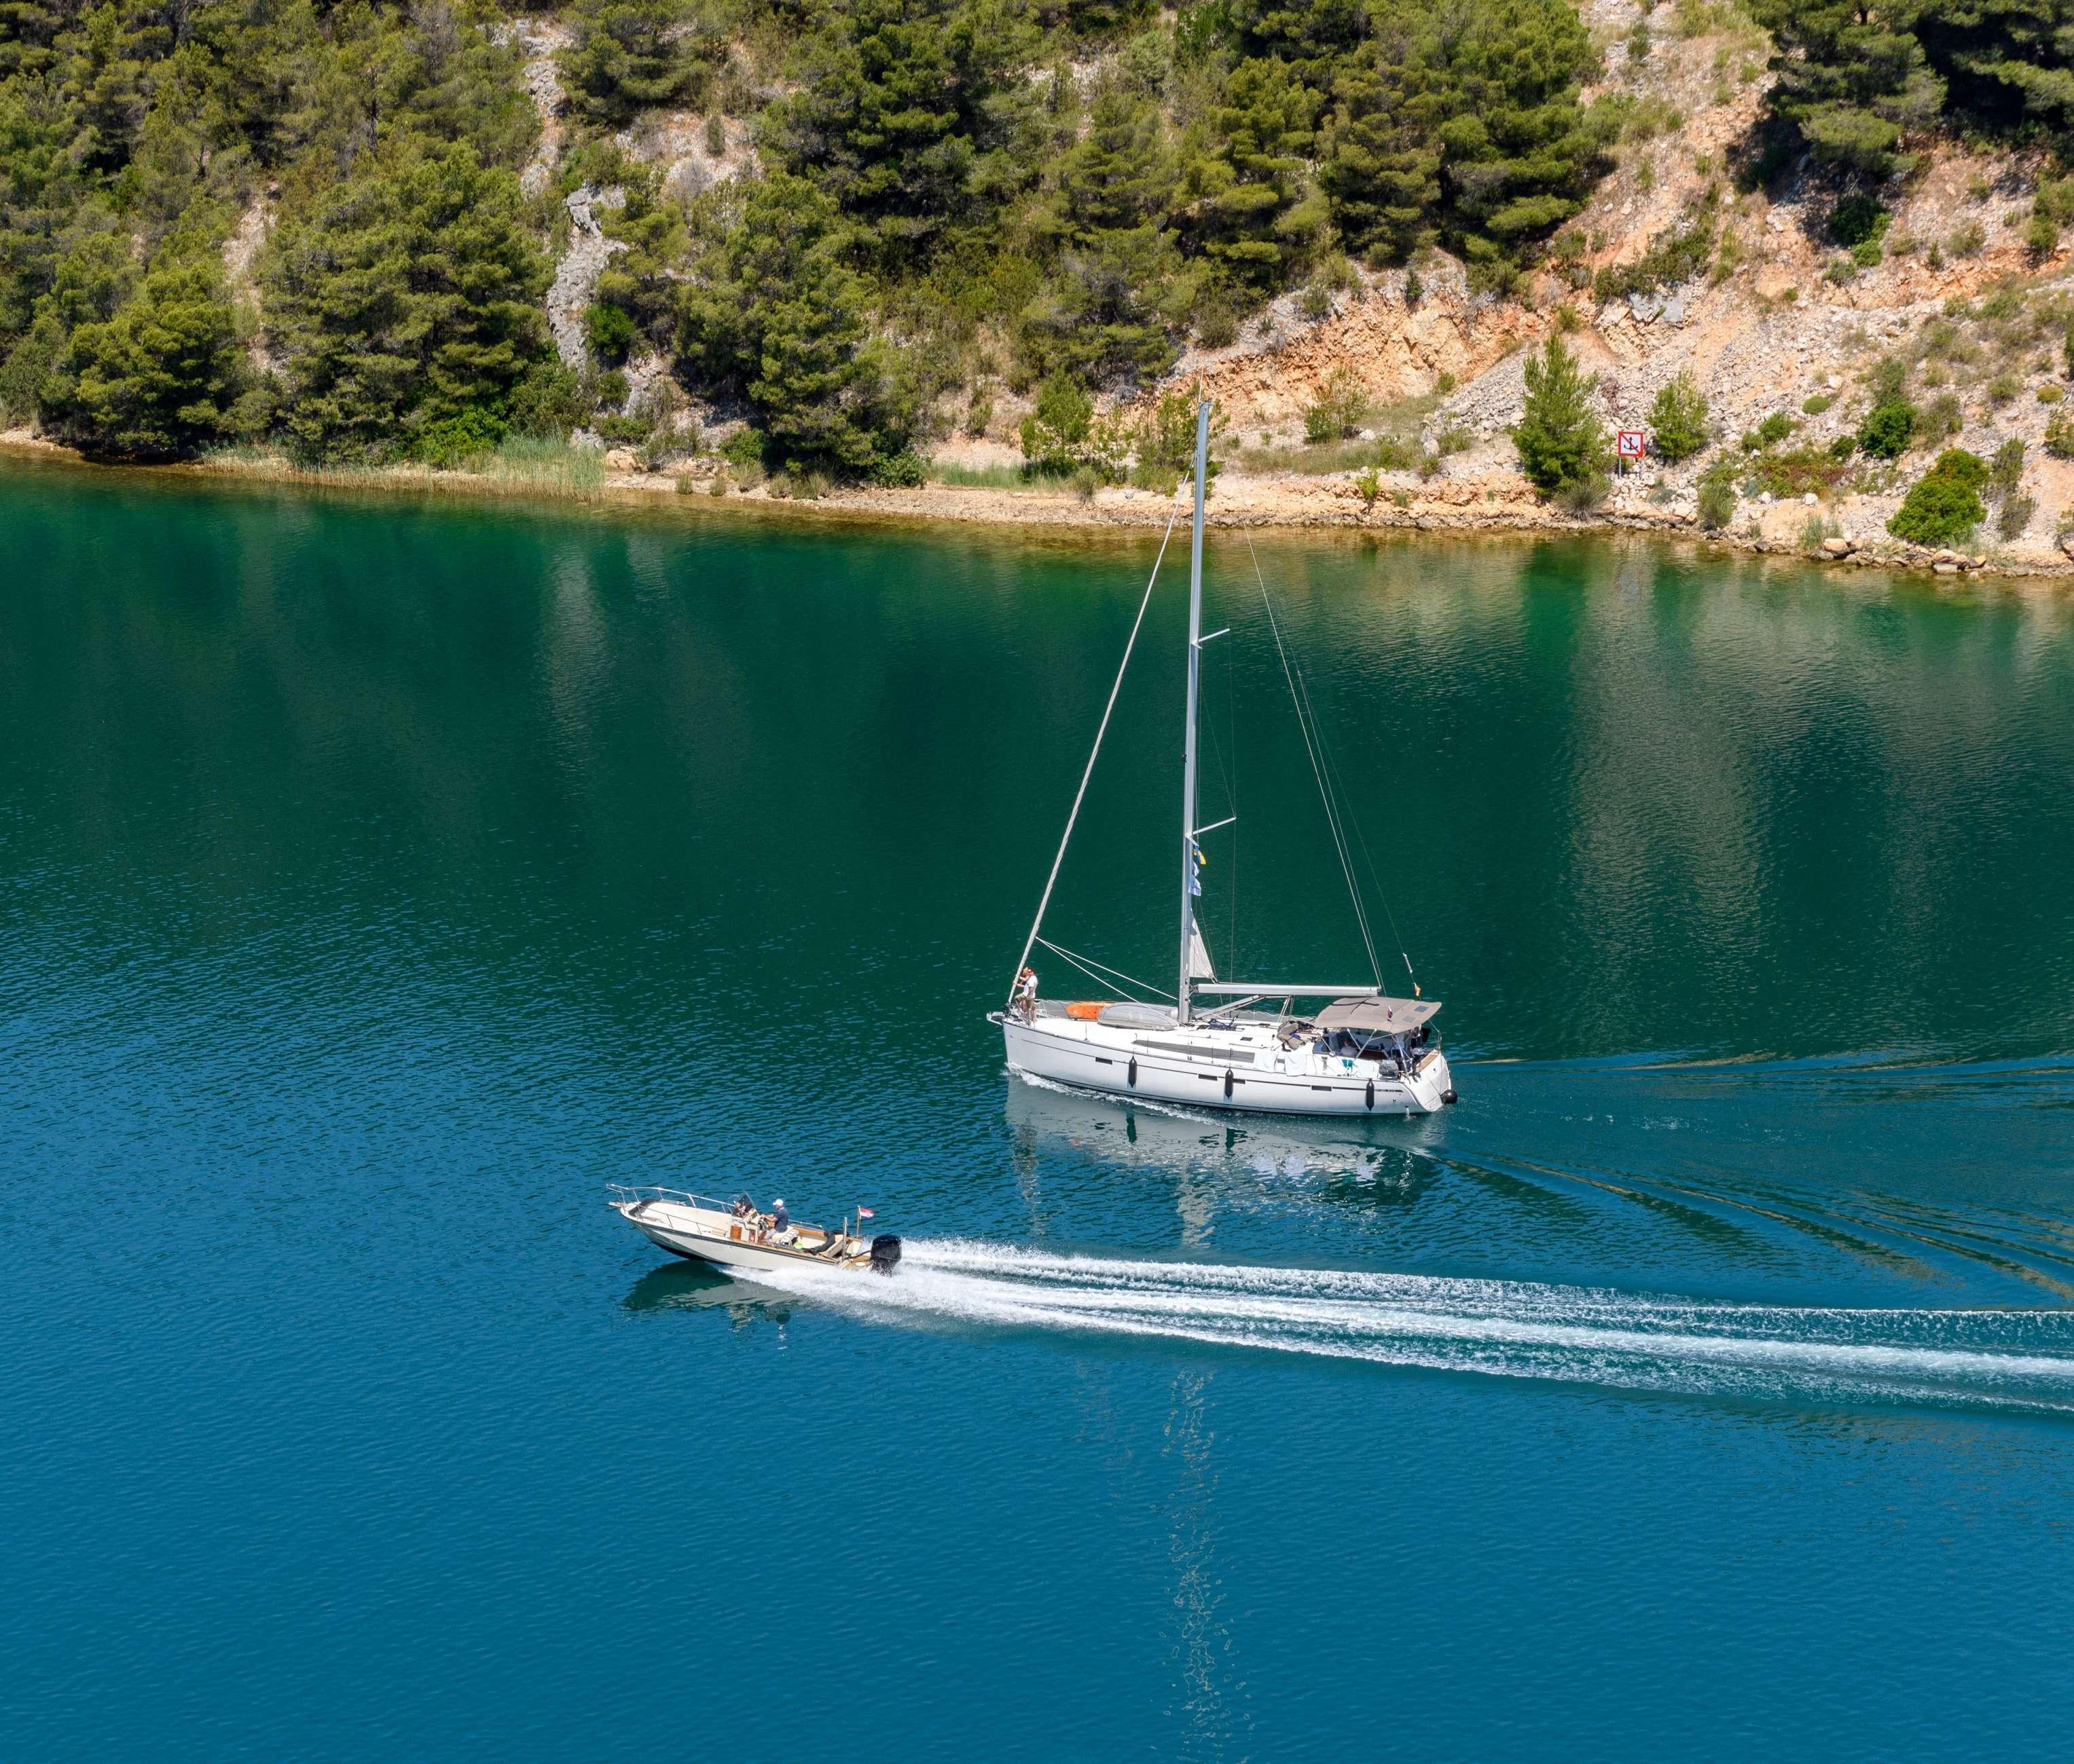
x=1856, y=219
x=1888, y=428
x=453, y=441
x=1717, y=496
x=1561, y=441
x=1966, y=242
x=1773, y=430
x=1054, y=434
x=743, y=448
x=1944, y=505
x=1336, y=413
x=2006, y=468
x=609, y=331
x=1679, y=418
x=2060, y=435
x=2049, y=394
x=1817, y=404
x=1794, y=474
x=2015, y=516
x=903, y=470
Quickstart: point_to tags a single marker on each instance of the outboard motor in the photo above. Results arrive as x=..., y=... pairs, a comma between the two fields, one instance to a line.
x=884, y=1253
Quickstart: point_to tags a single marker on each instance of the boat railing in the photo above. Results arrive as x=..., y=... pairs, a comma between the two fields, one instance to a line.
x=627, y=1194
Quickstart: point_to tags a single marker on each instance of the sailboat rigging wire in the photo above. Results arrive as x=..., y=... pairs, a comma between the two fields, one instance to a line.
x=1037, y=923
x=1338, y=786
x=1087, y=966
x=1367, y=858
x=1317, y=771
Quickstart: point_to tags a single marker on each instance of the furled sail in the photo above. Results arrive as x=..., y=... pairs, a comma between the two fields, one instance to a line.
x=1199, y=954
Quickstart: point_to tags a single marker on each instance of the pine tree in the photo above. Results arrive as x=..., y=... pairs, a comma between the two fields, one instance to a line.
x=1245, y=196
x=1851, y=80
x=1313, y=36
x=1519, y=158
x=775, y=312
x=626, y=55
x=1381, y=176
x=898, y=103
x=159, y=379
x=1678, y=419
x=404, y=297
x=1562, y=443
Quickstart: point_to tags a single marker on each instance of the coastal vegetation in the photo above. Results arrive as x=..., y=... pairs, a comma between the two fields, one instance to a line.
x=342, y=231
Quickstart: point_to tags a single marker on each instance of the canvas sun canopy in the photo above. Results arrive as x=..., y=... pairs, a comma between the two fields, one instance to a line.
x=1377, y=1016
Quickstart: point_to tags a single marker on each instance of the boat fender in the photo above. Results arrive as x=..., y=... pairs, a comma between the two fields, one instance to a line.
x=1227, y=1080
x=884, y=1253
x=1448, y=1099
x=1130, y=1073
x=1371, y=1092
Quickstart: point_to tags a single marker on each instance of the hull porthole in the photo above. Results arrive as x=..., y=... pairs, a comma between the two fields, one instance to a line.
x=1130, y=1074
x=1371, y=1092
x=1228, y=1083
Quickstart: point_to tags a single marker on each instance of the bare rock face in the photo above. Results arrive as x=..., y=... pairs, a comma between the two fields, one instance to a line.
x=575, y=276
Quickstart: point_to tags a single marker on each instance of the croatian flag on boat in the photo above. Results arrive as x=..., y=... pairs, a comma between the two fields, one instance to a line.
x=865, y=1213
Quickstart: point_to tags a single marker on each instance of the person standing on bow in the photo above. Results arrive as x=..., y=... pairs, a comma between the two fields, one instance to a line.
x=1026, y=994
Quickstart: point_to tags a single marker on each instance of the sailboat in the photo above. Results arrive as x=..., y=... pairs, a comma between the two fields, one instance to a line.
x=1362, y=1052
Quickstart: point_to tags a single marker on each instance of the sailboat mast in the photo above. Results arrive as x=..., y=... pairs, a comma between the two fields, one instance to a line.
x=1188, y=883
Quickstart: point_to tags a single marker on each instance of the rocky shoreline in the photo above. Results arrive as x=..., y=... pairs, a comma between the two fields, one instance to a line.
x=1498, y=504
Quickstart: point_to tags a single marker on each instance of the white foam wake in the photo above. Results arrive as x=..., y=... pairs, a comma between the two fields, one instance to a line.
x=1505, y=1329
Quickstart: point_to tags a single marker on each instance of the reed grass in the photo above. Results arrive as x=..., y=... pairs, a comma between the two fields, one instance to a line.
x=523, y=466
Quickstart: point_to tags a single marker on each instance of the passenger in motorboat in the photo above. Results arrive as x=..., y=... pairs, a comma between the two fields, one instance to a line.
x=774, y=1227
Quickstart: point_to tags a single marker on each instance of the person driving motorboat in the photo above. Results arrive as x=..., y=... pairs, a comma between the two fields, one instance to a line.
x=781, y=1223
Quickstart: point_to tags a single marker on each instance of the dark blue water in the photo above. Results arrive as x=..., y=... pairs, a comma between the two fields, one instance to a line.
x=380, y=881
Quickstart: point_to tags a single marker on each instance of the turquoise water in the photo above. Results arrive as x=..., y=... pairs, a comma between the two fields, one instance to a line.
x=379, y=880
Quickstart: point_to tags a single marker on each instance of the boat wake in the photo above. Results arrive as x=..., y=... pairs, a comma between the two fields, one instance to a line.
x=2001, y=1359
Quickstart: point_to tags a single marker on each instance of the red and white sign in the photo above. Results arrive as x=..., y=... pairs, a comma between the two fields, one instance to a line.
x=1629, y=443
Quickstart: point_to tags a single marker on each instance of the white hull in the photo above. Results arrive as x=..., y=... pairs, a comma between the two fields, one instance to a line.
x=1244, y=1070
x=702, y=1234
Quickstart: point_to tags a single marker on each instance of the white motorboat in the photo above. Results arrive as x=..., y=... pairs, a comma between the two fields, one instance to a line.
x=735, y=1236
x=1364, y=1052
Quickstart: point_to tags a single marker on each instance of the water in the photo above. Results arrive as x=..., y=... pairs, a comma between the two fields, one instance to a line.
x=379, y=880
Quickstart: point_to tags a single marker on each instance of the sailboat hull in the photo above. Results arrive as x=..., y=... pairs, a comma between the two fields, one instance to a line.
x=1217, y=1073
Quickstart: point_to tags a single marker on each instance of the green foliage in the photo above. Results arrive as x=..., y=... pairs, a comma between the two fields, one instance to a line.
x=1336, y=413
x=628, y=55
x=1888, y=428
x=2060, y=435
x=1717, y=496
x=609, y=331
x=1561, y=441
x=1246, y=202
x=1464, y=126
x=774, y=313
x=159, y=379
x=404, y=295
x=1858, y=220
x=1944, y=507
x=1054, y=434
x=910, y=115
x=1678, y=419
x=2005, y=471
x=1774, y=429
x=1678, y=253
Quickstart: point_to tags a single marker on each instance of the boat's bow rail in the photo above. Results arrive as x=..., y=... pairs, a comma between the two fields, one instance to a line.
x=627, y=1196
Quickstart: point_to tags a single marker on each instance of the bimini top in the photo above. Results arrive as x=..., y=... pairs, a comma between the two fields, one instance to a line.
x=1377, y=1016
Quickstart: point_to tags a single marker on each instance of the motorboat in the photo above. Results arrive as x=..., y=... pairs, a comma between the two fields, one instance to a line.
x=732, y=1234
x=1362, y=1052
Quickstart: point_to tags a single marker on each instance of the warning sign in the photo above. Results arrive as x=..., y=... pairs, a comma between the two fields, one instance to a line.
x=1630, y=444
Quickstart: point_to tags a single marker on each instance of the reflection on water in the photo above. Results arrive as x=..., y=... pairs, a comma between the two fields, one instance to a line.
x=1161, y=1137
x=686, y=1286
